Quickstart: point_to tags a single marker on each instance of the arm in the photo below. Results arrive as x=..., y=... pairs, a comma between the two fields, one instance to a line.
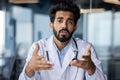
x=34, y=64
x=91, y=65
x=23, y=75
x=98, y=74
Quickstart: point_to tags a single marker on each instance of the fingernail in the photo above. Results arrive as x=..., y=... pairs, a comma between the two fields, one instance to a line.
x=51, y=63
x=48, y=62
x=74, y=60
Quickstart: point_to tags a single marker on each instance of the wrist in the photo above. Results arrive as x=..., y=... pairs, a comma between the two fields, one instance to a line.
x=91, y=70
x=29, y=72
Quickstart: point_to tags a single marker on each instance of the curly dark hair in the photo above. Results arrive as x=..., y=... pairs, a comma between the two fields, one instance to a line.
x=64, y=6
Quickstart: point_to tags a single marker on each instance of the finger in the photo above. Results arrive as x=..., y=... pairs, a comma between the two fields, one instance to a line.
x=47, y=68
x=75, y=63
x=44, y=67
x=40, y=56
x=36, y=49
x=88, y=51
x=86, y=57
x=79, y=63
x=43, y=62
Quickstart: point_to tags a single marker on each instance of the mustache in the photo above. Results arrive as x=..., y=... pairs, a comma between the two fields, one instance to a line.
x=63, y=30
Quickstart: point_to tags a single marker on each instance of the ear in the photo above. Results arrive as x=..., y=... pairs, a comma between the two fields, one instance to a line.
x=51, y=25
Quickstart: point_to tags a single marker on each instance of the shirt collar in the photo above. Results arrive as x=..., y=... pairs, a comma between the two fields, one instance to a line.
x=65, y=48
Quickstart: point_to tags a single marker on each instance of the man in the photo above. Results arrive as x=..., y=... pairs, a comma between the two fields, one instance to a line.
x=62, y=57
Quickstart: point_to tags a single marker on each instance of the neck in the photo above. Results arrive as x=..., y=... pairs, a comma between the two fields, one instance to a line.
x=60, y=45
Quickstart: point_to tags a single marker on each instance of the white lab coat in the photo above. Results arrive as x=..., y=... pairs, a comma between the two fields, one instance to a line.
x=66, y=72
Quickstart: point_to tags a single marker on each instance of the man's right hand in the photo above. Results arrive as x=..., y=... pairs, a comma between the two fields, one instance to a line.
x=37, y=63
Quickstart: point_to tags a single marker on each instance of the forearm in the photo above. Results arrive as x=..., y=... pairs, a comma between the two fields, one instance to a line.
x=26, y=76
x=97, y=75
x=92, y=69
x=29, y=72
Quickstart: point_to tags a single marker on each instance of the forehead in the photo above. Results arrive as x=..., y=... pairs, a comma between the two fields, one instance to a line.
x=65, y=14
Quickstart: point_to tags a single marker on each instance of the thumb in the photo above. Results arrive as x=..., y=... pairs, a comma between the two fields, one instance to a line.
x=36, y=49
x=88, y=51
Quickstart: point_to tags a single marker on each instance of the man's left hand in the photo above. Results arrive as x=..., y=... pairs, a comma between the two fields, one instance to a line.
x=86, y=63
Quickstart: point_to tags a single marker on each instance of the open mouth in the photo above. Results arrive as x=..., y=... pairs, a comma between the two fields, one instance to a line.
x=63, y=32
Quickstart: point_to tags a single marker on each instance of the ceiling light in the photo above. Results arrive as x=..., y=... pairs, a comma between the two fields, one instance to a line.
x=92, y=10
x=23, y=1
x=113, y=1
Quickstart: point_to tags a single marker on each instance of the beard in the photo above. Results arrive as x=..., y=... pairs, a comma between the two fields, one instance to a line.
x=62, y=38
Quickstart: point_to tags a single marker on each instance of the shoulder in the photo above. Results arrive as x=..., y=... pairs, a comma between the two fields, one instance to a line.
x=42, y=42
x=81, y=43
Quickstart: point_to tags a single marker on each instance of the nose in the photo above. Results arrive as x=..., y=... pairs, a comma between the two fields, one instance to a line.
x=64, y=24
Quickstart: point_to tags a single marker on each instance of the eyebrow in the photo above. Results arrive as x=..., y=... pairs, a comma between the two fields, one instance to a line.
x=70, y=19
x=62, y=18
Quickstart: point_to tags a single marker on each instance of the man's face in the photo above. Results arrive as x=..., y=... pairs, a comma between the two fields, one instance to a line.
x=63, y=26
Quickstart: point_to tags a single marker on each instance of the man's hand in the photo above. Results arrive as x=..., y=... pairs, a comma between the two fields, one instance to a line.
x=37, y=63
x=86, y=63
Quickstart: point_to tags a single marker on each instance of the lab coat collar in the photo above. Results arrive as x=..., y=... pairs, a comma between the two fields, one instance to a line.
x=53, y=53
x=68, y=57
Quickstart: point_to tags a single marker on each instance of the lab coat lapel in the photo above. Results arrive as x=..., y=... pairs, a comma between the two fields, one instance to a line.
x=53, y=53
x=69, y=56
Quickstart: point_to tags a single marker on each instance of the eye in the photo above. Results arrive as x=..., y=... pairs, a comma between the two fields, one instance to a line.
x=60, y=20
x=70, y=22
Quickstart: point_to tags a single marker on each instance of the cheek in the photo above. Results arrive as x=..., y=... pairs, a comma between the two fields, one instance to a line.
x=71, y=29
x=56, y=28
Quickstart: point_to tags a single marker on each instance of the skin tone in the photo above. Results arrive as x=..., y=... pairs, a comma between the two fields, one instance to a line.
x=64, y=26
x=63, y=20
x=36, y=63
x=86, y=63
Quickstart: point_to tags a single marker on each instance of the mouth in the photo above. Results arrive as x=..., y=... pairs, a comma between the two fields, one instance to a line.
x=63, y=32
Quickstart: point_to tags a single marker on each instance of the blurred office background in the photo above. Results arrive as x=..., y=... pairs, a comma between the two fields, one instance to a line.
x=24, y=21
